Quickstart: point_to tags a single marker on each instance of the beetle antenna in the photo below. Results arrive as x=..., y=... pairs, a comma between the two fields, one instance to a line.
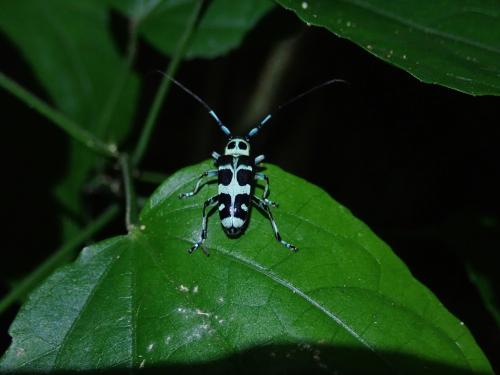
x=211, y=112
x=256, y=129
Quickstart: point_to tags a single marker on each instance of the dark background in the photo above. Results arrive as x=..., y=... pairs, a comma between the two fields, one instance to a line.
x=418, y=163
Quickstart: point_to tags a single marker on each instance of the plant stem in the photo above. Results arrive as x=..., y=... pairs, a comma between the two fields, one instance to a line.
x=130, y=201
x=51, y=263
x=147, y=130
x=272, y=77
x=71, y=128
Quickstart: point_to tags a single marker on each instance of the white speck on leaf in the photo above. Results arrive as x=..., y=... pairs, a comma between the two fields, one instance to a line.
x=150, y=347
x=305, y=5
x=183, y=288
x=20, y=352
x=195, y=289
x=200, y=312
x=142, y=227
x=142, y=363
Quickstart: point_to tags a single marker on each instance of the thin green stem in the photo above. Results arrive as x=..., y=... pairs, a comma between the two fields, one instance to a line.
x=147, y=130
x=56, y=259
x=130, y=201
x=71, y=128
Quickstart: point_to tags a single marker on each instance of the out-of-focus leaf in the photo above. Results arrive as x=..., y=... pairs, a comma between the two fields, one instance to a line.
x=454, y=43
x=69, y=47
x=345, y=302
x=222, y=28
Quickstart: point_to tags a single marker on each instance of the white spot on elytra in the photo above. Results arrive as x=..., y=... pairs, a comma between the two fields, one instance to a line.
x=305, y=5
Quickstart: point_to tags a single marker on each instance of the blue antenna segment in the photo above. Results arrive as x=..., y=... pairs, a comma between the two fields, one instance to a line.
x=266, y=119
x=223, y=128
x=254, y=131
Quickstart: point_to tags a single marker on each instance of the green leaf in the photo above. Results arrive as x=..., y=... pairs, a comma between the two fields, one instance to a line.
x=343, y=302
x=222, y=28
x=71, y=52
x=453, y=43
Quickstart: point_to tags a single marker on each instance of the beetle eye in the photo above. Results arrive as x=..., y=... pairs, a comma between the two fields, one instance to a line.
x=231, y=145
x=242, y=145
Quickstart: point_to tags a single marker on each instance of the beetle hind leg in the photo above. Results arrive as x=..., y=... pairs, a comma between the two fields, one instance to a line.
x=263, y=205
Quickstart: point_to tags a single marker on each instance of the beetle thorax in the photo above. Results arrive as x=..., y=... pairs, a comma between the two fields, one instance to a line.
x=237, y=147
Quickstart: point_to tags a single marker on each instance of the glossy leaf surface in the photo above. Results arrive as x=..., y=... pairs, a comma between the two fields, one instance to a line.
x=343, y=302
x=222, y=28
x=454, y=43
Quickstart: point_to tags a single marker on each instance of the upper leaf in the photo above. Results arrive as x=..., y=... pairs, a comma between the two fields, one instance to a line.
x=222, y=28
x=343, y=302
x=454, y=43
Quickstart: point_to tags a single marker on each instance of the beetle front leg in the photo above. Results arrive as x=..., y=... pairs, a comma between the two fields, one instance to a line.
x=209, y=202
x=210, y=173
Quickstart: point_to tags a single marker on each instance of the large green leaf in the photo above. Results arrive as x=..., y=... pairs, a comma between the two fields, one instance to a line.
x=454, y=43
x=71, y=52
x=222, y=28
x=343, y=302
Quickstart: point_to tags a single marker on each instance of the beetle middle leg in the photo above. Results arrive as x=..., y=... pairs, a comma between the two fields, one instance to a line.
x=210, y=173
x=264, y=206
x=265, y=195
x=208, y=203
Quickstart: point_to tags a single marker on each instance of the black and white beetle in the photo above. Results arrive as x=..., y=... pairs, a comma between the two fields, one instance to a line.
x=236, y=174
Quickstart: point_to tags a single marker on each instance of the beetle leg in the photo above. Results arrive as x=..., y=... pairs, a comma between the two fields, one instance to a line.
x=261, y=203
x=210, y=173
x=209, y=202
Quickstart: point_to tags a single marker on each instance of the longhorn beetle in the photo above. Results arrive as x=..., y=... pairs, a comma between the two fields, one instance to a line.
x=236, y=174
